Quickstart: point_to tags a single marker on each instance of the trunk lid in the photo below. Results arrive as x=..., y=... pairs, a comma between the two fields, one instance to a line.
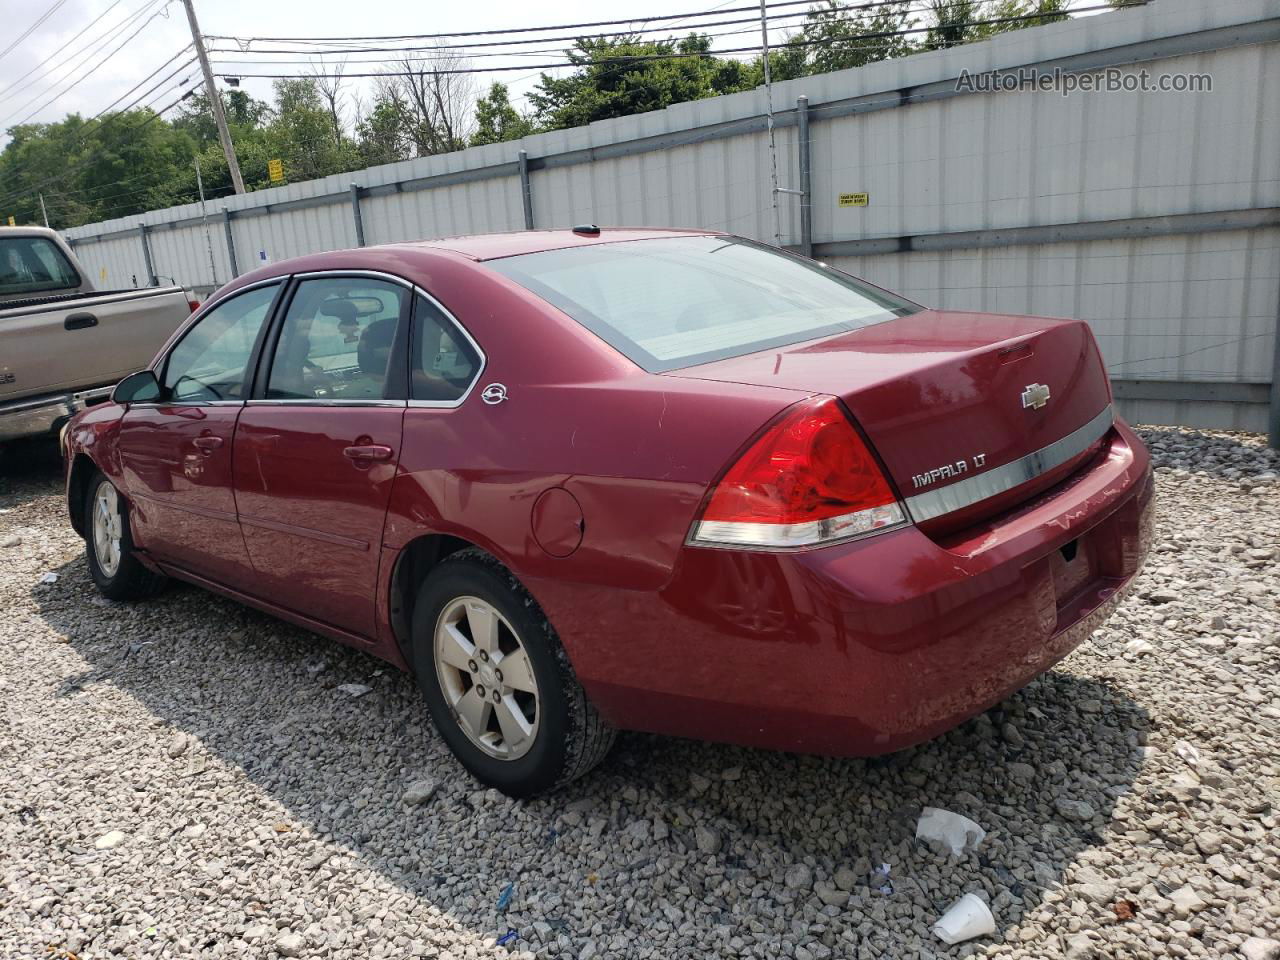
x=940, y=395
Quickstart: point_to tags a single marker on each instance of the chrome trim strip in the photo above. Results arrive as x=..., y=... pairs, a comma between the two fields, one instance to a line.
x=324, y=402
x=965, y=493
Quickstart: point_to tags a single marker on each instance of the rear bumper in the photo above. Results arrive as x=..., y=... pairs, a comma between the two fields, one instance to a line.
x=40, y=415
x=870, y=646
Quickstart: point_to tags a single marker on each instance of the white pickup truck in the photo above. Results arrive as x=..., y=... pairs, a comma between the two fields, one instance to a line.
x=64, y=345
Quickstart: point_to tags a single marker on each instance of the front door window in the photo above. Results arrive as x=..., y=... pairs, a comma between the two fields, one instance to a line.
x=336, y=340
x=211, y=360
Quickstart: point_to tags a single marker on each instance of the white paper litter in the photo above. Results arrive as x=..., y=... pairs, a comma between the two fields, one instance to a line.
x=957, y=832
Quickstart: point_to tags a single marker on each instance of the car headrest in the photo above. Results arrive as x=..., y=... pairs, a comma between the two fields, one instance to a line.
x=374, y=348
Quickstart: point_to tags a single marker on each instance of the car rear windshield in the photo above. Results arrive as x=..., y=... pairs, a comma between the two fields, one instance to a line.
x=33, y=264
x=678, y=301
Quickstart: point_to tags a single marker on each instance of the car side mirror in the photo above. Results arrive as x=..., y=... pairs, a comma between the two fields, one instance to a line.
x=140, y=387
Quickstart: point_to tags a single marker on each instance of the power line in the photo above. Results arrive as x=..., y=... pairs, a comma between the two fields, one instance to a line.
x=431, y=50
x=119, y=29
x=492, y=33
x=568, y=38
x=31, y=29
x=83, y=56
x=639, y=57
x=45, y=67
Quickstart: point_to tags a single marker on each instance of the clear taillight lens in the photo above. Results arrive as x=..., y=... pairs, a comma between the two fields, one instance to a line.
x=808, y=479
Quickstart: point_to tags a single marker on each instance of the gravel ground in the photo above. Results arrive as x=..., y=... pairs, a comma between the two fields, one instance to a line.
x=187, y=778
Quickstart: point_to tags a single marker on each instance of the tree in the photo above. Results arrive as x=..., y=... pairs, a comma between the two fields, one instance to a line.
x=952, y=23
x=302, y=133
x=329, y=86
x=434, y=99
x=1049, y=11
x=835, y=37
x=619, y=76
x=382, y=132
x=497, y=120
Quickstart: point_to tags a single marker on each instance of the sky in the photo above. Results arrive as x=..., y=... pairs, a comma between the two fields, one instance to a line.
x=51, y=91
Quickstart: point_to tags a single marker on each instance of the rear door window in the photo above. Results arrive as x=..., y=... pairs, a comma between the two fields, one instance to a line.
x=445, y=361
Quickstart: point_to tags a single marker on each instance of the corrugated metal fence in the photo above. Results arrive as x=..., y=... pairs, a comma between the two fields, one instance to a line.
x=1153, y=215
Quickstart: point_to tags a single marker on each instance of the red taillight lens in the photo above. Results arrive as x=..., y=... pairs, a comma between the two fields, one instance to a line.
x=194, y=305
x=808, y=479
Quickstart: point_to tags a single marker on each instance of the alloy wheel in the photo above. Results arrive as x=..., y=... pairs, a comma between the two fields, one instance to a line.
x=107, y=528
x=487, y=678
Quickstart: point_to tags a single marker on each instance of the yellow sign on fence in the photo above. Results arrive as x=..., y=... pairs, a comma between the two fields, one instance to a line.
x=12, y=222
x=275, y=170
x=854, y=199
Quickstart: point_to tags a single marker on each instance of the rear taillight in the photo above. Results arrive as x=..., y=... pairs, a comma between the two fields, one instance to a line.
x=194, y=305
x=808, y=479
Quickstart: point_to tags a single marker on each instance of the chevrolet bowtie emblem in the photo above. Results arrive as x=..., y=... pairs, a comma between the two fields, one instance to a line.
x=1035, y=396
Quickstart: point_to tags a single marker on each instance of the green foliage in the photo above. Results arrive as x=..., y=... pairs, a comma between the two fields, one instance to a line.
x=619, y=76
x=835, y=37
x=497, y=120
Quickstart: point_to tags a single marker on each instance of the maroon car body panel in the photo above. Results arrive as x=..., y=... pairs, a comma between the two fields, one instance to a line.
x=587, y=480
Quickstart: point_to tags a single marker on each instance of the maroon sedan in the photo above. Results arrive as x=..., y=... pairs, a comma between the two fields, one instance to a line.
x=658, y=480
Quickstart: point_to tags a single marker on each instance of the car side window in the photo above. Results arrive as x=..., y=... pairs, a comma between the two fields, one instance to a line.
x=210, y=361
x=336, y=340
x=445, y=363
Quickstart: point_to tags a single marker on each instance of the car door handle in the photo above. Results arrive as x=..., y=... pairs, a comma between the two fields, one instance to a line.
x=207, y=444
x=80, y=321
x=371, y=451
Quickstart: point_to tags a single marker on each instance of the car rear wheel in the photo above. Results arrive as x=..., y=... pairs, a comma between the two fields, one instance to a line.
x=116, y=572
x=498, y=684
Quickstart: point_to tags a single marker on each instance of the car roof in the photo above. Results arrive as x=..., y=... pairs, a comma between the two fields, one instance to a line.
x=493, y=246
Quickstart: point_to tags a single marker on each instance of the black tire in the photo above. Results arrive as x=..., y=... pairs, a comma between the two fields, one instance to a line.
x=131, y=580
x=571, y=737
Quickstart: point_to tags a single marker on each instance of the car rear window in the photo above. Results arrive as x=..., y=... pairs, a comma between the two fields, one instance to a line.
x=32, y=264
x=677, y=301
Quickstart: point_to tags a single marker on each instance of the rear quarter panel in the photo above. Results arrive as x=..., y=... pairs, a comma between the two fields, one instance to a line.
x=636, y=450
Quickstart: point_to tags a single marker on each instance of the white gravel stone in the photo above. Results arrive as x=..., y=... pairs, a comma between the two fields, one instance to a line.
x=287, y=814
x=1260, y=948
x=109, y=840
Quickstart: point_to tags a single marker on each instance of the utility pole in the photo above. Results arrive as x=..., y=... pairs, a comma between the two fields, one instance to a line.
x=215, y=101
x=204, y=219
x=773, y=144
x=43, y=212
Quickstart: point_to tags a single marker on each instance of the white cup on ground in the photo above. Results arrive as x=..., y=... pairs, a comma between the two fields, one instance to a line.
x=967, y=918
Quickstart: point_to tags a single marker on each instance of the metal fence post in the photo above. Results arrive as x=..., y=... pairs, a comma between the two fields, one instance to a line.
x=146, y=256
x=1273, y=412
x=525, y=192
x=806, y=196
x=231, y=243
x=355, y=214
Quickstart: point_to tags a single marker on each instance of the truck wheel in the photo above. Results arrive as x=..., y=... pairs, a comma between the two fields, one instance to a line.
x=116, y=572
x=497, y=682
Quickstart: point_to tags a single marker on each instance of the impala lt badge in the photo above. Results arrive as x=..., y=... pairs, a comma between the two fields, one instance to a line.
x=949, y=470
x=1035, y=396
x=494, y=393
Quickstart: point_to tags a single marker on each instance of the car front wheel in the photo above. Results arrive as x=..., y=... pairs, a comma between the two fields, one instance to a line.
x=116, y=572
x=497, y=682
